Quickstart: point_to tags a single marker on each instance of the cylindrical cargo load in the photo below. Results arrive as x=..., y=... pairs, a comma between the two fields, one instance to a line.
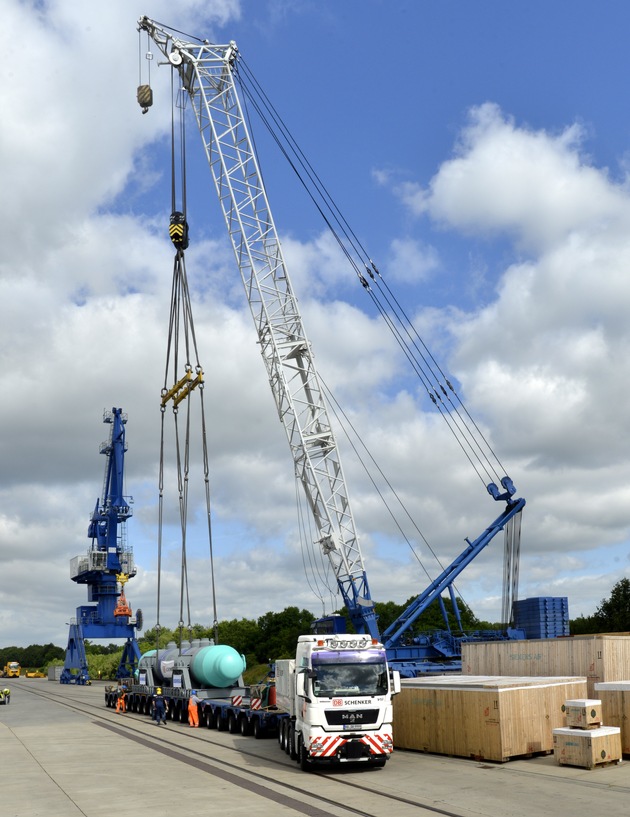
x=160, y=662
x=147, y=659
x=217, y=666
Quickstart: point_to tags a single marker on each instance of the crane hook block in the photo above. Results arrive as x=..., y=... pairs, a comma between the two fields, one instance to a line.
x=145, y=97
x=178, y=230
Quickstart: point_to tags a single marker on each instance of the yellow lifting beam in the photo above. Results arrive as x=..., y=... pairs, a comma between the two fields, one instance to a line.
x=183, y=387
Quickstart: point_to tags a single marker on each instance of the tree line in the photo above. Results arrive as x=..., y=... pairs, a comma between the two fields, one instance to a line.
x=274, y=635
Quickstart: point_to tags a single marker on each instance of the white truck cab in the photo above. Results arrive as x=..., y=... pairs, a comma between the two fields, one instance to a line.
x=338, y=692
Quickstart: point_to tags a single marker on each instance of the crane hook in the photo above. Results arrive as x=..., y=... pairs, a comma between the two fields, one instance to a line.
x=145, y=97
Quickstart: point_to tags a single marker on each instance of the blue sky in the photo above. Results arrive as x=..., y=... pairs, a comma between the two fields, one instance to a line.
x=479, y=150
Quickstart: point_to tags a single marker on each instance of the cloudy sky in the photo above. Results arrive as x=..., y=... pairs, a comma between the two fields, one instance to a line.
x=480, y=152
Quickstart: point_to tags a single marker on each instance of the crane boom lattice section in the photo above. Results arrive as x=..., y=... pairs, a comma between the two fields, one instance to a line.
x=208, y=74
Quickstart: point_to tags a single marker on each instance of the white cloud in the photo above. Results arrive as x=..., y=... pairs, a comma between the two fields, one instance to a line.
x=84, y=290
x=536, y=186
x=411, y=261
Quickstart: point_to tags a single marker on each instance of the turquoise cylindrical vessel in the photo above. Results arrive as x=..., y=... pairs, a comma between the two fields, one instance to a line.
x=217, y=666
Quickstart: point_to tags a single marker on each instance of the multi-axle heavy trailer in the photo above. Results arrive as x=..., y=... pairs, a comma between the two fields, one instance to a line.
x=331, y=704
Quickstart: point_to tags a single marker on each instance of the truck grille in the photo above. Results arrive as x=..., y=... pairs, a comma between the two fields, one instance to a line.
x=351, y=717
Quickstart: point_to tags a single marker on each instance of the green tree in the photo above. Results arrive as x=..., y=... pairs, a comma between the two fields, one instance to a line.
x=279, y=633
x=613, y=614
x=584, y=625
x=149, y=640
x=242, y=634
x=104, y=665
x=430, y=620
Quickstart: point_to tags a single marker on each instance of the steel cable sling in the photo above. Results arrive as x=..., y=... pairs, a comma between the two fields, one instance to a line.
x=182, y=355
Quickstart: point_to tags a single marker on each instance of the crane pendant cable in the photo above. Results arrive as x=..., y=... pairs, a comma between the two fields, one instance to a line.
x=183, y=378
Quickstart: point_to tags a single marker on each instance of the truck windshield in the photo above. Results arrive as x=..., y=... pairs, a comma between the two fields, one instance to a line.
x=349, y=673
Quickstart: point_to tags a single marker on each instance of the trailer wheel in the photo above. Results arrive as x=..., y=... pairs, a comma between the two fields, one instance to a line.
x=257, y=728
x=210, y=718
x=221, y=722
x=246, y=726
x=233, y=725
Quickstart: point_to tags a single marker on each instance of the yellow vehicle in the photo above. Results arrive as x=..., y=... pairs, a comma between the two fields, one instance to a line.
x=12, y=670
x=34, y=674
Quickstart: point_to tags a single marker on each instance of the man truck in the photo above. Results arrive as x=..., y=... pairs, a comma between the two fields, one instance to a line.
x=331, y=704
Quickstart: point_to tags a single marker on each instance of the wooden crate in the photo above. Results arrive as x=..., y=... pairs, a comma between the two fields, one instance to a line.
x=584, y=713
x=487, y=718
x=598, y=658
x=615, y=697
x=586, y=748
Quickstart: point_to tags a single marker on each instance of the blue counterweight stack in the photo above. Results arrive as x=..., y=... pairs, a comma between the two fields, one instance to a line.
x=543, y=616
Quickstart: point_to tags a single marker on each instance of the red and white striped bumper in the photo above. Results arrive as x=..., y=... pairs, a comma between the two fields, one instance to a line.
x=329, y=746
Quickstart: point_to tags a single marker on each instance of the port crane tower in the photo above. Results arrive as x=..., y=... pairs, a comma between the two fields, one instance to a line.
x=208, y=75
x=106, y=568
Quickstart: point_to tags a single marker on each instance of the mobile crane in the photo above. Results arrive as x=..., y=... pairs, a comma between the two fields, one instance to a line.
x=208, y=74
x=106, y=567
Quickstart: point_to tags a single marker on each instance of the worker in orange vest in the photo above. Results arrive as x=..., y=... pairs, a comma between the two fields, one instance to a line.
x=121, y=702
x=193, y=711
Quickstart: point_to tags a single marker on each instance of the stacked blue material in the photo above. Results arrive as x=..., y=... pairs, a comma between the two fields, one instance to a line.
x=542, y=617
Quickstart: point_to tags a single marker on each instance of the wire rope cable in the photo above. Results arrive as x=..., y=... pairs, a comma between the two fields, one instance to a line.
x=439, y=388
x=182, y=355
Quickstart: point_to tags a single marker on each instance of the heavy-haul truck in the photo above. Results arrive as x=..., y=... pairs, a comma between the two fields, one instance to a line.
x=331, y=704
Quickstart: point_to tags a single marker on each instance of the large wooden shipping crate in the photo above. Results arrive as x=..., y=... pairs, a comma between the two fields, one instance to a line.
x=487, y=718
x=615, y=698
x=598, y=658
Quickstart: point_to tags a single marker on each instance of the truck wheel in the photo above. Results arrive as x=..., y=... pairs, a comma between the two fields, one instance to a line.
x=291, y=743
x=257, y=728
x=246, y=726
x=282, y=735
x=305, y=763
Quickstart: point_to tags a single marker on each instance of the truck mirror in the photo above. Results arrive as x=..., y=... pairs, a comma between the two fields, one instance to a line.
x=300, y=684
x=395, y=682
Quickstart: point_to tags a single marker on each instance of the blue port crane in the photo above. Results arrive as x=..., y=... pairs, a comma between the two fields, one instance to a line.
x=106, y=568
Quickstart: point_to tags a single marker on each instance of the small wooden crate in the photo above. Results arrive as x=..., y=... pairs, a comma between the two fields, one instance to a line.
x=586, y=748
x=615, y=696
x=584, y=713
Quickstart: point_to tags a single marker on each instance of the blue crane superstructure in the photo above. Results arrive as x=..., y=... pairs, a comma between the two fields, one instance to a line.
x=105, y=568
